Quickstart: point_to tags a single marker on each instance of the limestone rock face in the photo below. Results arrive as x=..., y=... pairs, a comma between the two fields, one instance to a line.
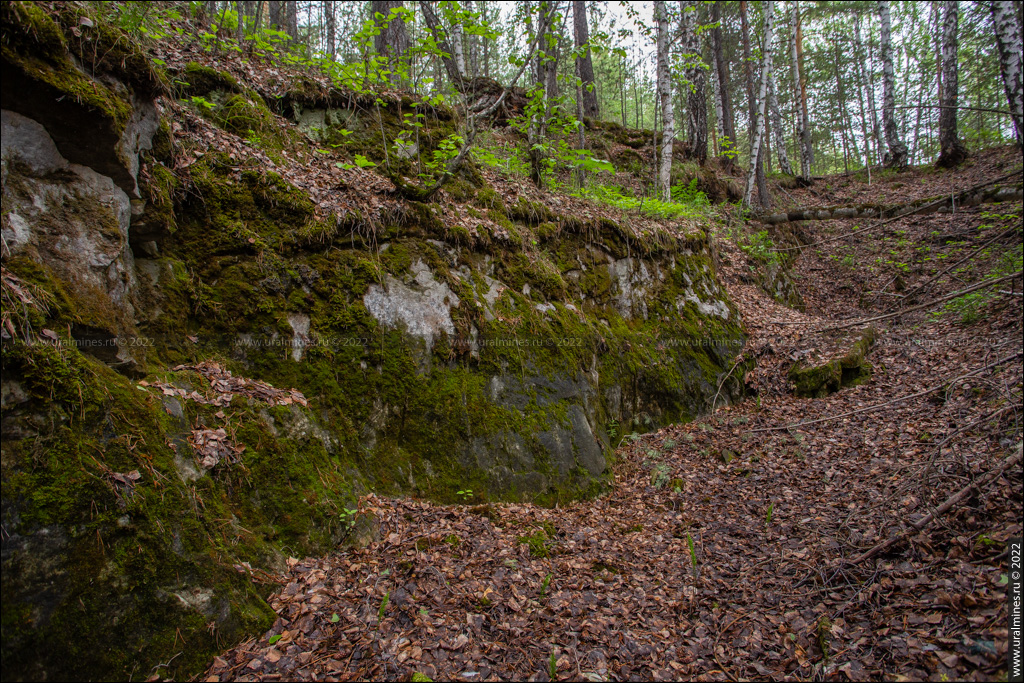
x=75, y=222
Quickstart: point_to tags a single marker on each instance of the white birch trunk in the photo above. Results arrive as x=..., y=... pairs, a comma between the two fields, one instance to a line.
x=1009, y=40
x=780, y=140
x=802, y=119
x=897, y=156
x=665, y=97
x=762, y=97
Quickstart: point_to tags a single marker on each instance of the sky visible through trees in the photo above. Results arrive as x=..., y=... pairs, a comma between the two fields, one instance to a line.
x=844, y=77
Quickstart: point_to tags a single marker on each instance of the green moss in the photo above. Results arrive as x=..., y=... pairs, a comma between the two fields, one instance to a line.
x=163, y=144
x=197, y=79
x=531, y=213
x=159, y=192
x=123, y=554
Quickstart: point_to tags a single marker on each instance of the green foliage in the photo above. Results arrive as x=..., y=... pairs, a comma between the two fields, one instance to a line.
x=614, y=196
x=760, y=247
x=544, y=585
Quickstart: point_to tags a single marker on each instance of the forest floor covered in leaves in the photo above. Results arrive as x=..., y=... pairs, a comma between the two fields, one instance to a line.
x=732, y=547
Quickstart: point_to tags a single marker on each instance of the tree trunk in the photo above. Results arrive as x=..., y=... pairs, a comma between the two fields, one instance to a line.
x=584, y=62
x=845, y=123
x=696, y=101
x=756, y=160
x=728, y=142
x=455, y=75
x=291, y=19
x=780, y=140
x=538, y=121
x=1008, y=37
x=392, y=42
x=862, y=84
x=274, y=9
x=458, y=46
x=240, y=28
x=952, y=151
x=472, y=59
x=665, y=99
x=897, y=155
x=755, y=145
x=803, y=122
x=331, y=29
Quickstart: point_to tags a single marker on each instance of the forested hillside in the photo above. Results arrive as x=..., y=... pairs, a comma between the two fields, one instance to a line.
x=510, y=340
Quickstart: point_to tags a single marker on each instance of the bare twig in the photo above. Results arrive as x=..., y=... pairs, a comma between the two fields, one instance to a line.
x=972, y=254
x=861, y=321
x=963, y=493
x=902, y=215
x=895, y=400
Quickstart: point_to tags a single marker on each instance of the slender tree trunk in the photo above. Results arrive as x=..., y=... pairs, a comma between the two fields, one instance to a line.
x=538, y=122
x=665, y=99
x=897, y=155
x=392, y=42
x=455, y=75
x=845, y=123
x=952, y=151
x=291, y=19
x=862, y=84
x=329, y=20
x=780, y=140
x=803, y=123
x=728, y=143
x=697, y=107
x=584, y=62
x=755, y=145
x=756, y=161
x=717, y=98
x=459, y=47
x=1008, y=37
x=274, y=9
x=472, y=53
x=239, y=29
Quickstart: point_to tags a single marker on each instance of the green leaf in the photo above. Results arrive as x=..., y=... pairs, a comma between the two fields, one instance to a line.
x=335, y=618
x=363, y=162
x=274, y=639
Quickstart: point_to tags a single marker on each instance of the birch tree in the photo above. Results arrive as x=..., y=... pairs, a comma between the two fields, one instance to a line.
x=1008, y=37
x=803, y=123
x=864, y=74
x=756, y=161
x=780, y=140
x=665, y=99
x=766, y=68
x=897, y=155
x=952, y=152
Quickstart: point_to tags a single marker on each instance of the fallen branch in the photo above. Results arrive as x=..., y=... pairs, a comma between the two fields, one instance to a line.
x=967, y=290
x=860, y=321
x=944, y=508
x=977, y=250
x=889, y=403
x=902, y=215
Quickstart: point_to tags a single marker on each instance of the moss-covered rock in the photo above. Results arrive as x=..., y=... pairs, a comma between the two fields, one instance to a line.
x=849, y=369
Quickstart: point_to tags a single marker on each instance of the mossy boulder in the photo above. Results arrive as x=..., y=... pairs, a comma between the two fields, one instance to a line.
x=849, y=369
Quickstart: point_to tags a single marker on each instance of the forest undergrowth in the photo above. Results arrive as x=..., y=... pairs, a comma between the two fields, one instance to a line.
x=745, y=544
